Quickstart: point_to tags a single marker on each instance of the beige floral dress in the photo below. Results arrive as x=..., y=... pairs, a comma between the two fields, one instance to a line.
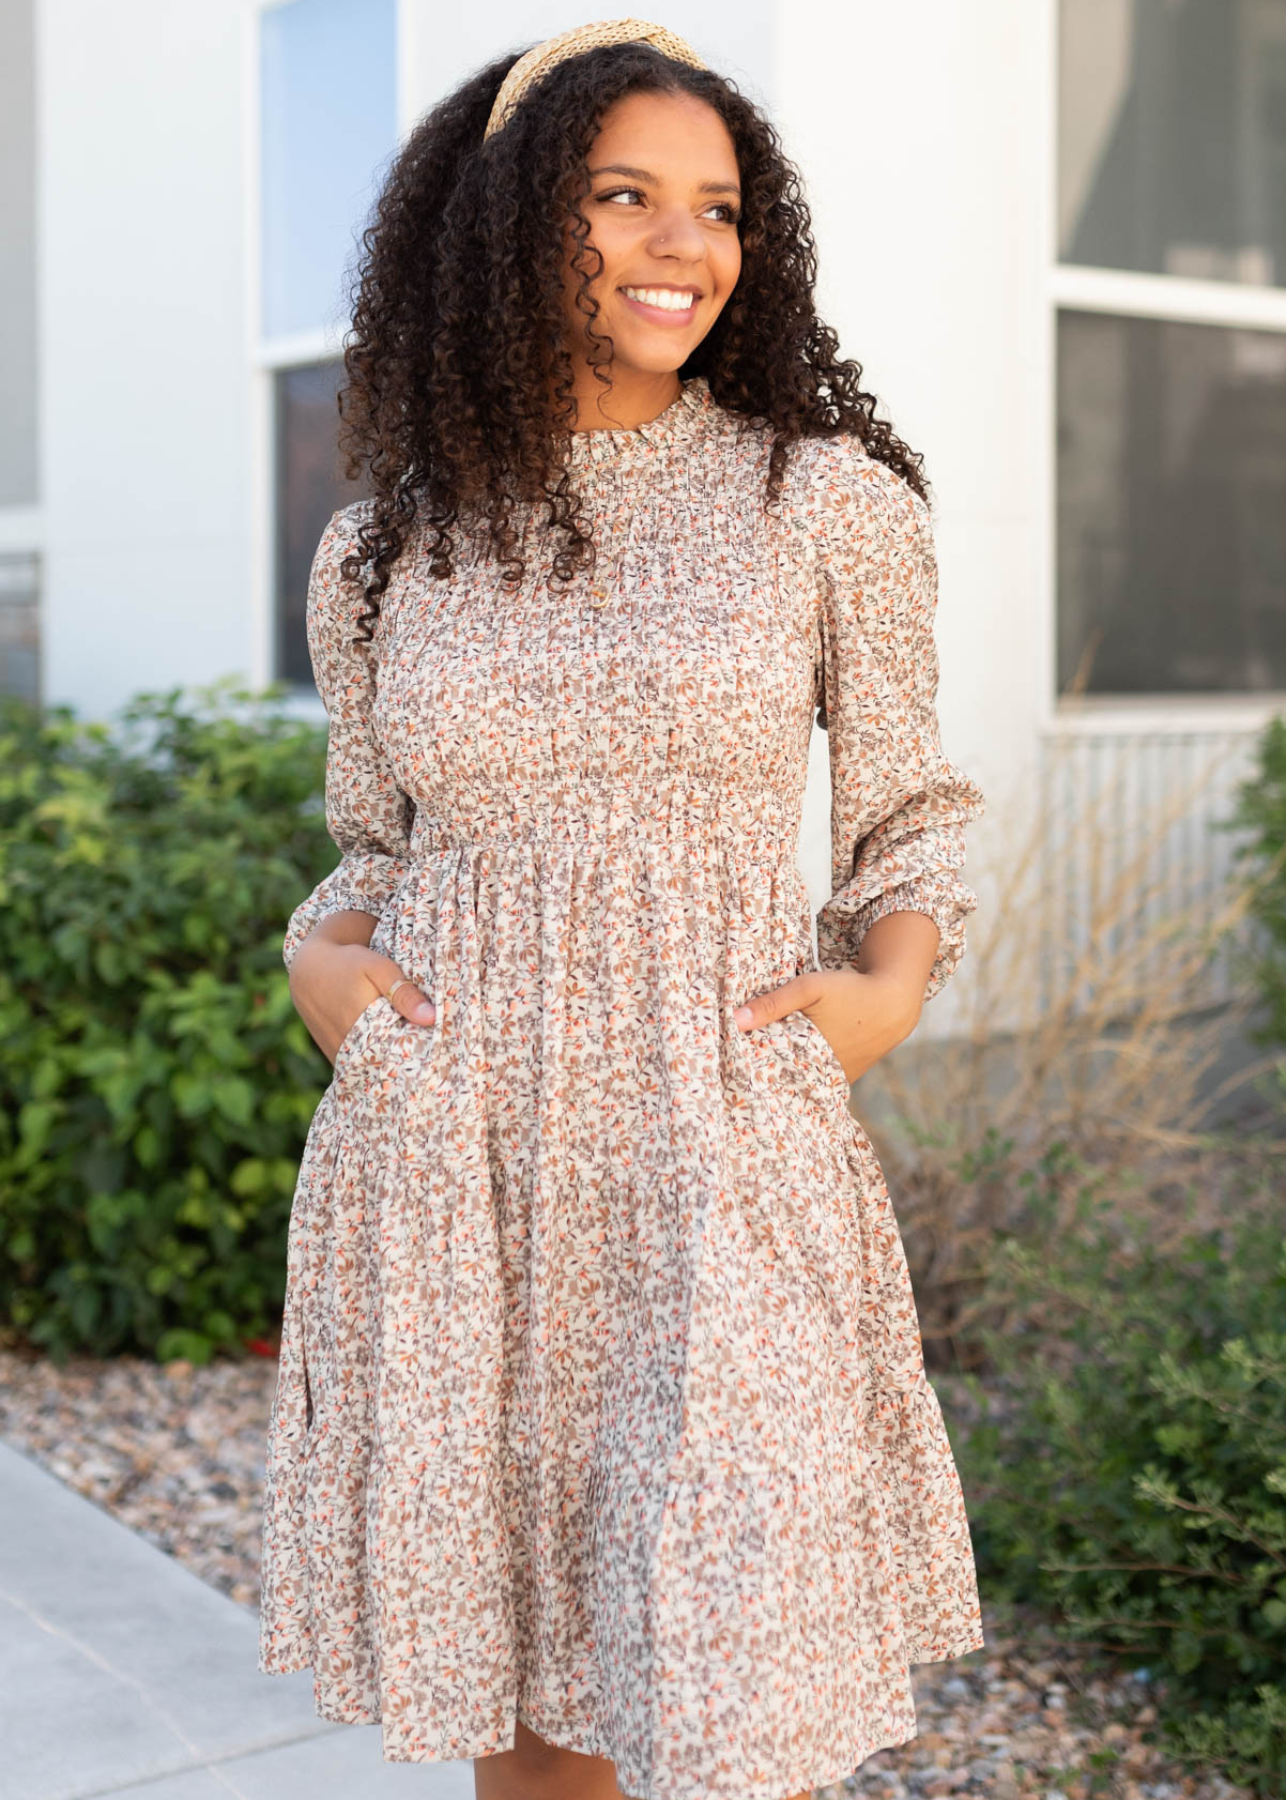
x=602, y=1401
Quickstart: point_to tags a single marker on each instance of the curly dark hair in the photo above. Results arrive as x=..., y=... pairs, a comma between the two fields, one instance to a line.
x=458, y=399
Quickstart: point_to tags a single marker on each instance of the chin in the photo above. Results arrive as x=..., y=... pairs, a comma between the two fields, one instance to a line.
x=654, y=359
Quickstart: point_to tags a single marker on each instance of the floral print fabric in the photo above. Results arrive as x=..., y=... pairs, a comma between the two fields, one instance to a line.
x=601, y=1398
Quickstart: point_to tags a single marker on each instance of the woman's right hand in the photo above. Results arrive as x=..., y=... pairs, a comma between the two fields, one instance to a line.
x=332, y=982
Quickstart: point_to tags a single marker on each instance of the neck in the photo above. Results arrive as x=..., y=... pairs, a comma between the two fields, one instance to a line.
x=636, y=397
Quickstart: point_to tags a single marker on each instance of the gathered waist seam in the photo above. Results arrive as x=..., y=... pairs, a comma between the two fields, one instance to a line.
x=774, y=833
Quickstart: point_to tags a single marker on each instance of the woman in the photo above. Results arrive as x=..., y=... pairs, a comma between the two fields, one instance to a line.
x=602, y=1450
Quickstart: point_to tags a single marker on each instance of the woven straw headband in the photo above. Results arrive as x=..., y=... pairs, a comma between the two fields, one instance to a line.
x=536, y=63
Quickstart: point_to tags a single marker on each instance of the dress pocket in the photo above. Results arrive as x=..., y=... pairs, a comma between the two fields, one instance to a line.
x=823, y=1049
x=358, y=1031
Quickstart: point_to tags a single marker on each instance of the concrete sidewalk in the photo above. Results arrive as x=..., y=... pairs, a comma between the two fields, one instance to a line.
x=123, y=1673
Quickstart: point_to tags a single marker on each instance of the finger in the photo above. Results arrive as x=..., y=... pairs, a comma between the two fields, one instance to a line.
x=409, y=999
x=774, y=1004
x=755, y=1011
x=414, y=1004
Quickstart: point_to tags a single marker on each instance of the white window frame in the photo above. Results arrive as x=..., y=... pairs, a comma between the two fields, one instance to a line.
x=1127, y=293
x=266, y=356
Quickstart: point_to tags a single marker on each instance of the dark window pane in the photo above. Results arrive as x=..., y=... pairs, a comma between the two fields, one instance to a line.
x=310, y=487
x=1171, y=506
x=1172, y=137
x=20, y=627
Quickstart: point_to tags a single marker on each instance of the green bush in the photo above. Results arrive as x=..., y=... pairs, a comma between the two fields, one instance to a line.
x=155, y=1082
x=1261, y=812
x=1129, y=1469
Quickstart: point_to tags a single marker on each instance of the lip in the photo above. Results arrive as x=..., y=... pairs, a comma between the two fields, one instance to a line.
x=659, y=315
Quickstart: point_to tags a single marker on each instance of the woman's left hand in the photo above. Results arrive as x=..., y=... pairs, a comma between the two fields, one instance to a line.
x=861, y=1016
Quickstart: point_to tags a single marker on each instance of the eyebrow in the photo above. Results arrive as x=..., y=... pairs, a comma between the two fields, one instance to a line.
x=705, y=187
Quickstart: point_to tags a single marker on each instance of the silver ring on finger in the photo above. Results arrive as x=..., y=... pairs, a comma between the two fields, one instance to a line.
x=400, y=982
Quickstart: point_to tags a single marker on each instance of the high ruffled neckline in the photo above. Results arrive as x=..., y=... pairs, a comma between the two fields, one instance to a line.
x=681, y=419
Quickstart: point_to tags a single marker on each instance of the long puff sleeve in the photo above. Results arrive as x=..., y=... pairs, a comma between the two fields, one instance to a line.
x=898, y=806
x=367, y=814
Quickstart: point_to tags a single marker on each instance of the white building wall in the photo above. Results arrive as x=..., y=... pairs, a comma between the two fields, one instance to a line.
x=144, y=471
x=154, y=512
x=440, y=47
x=923, y=143
x=924, y=136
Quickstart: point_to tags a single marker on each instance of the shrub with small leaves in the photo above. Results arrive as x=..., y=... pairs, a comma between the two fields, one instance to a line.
x=156, y=1084
x=1129, y=1471
x=1260, y=811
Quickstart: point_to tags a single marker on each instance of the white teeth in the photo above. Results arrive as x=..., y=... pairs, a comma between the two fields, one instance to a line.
x=662, y=297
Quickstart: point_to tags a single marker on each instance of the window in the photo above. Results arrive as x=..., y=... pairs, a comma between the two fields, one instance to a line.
x=310, y=486
x=328, y=132
x=20, y=627
x=1171, y=367
x=328, y=112
x=19, y=363
x=1172, y=505
x=1172, y=137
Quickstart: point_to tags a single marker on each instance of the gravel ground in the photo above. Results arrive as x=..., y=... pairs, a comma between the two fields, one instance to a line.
x=176, y=1452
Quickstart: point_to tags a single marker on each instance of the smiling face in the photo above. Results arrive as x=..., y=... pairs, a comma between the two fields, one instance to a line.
x=663, y=207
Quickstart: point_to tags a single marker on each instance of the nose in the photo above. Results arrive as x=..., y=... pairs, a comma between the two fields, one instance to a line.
x=676, y=233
